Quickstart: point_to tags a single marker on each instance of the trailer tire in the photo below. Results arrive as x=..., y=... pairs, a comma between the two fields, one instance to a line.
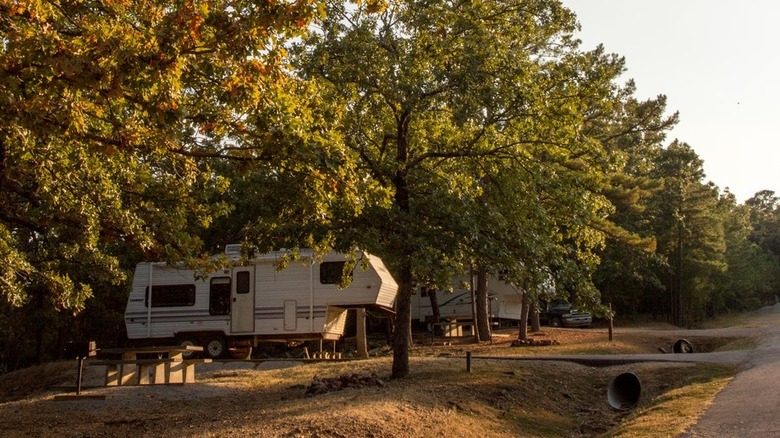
x=186, y=341
x=215, y=347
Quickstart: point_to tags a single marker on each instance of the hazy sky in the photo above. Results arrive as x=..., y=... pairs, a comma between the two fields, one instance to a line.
x=717, y=62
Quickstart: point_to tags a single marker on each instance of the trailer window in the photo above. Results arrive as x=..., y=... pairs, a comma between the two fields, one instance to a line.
x=219, y=296
x=331, y=272
x=242, y=282
x=171, y=295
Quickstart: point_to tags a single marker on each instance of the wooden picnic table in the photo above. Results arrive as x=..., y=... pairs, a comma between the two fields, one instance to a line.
x=169, y=367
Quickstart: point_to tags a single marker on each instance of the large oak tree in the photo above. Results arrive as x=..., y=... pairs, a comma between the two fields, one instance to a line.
x=445, y=99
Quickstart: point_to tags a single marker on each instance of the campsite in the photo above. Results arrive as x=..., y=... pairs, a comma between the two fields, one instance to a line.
x=498, y=398
x=200, y=200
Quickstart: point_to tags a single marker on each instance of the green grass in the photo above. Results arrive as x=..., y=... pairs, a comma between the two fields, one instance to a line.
x=671, y=412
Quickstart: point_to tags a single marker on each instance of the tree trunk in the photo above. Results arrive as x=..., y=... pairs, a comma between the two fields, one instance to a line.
x=678, y=297
x=535, y=324
x=436, y=311
x=401, y=337
x=473, y=300
x=523, y=333
x=66, y=323
x=360, y=335
x=2, y=164
x=40, y=326
x=390, y=324
x=482, y=318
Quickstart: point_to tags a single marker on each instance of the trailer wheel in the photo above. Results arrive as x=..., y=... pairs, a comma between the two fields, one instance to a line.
x=215, y=347
x=185, y=341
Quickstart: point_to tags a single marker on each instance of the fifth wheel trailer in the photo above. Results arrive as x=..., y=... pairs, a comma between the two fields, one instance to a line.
x=505, y=300
x=233, y=309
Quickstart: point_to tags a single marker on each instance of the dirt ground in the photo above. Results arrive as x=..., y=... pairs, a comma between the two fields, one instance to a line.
x=272, y=398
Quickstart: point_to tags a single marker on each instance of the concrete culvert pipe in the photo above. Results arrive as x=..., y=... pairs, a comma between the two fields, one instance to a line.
x=683, y=346
x=624, y=391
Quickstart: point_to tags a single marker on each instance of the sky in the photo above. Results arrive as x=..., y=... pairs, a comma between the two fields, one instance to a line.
x=717, y=62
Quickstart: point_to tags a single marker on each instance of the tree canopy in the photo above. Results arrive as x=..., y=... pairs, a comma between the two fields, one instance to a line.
x=118, y=120
x=109, y=111
x=441, y=136
x=475, y=116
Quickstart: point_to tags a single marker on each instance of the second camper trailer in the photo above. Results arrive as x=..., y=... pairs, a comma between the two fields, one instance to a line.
x=456, y=304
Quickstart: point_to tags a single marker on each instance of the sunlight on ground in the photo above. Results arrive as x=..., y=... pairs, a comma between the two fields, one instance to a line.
x=672, y=413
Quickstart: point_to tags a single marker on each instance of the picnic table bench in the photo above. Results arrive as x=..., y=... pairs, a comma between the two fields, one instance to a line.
x=450, y=329
x=168, y=368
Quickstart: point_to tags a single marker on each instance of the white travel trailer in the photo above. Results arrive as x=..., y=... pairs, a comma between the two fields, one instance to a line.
x=233, y=309
x=505, y=301
x=505, y=304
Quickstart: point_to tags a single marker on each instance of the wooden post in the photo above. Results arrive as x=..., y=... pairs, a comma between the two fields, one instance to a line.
x=468, y=361
x=610, y=322
x=362, y=339
x=79, y=375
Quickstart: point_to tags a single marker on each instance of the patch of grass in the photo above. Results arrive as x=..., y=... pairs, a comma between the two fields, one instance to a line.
x=22, y=383
x=712, y=344
x=730, y=320
x=673, y=411
x=744, y=343
x=643, y=321
x=623, y=345
x=499, y=398
x=541, y=423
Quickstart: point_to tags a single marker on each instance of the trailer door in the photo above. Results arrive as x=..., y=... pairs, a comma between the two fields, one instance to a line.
x=242, y=312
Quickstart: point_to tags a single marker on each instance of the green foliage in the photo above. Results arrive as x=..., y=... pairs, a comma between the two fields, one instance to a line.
x=474, y=118
x=109, y=110
x=436, y=135
x=707, y=260
x=114, y=114
x=632, y=131
x=689, y=232
x=765, y=220
x=748, y=281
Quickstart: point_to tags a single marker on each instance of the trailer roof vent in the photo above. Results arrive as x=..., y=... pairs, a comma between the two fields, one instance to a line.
x=233, y=249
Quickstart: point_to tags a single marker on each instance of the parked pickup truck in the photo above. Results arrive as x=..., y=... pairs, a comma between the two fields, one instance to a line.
x=558, y=313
